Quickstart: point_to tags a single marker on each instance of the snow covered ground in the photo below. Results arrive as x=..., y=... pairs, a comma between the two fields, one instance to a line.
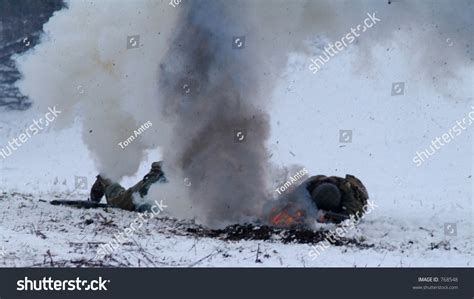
x=36, y=233
x=424, y=216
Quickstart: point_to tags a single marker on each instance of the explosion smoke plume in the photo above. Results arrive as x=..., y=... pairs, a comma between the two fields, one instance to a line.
x=195, y=87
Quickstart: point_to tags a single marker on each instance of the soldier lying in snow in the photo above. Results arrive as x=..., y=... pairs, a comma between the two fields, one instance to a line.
x=118, y=196
x=338, y=198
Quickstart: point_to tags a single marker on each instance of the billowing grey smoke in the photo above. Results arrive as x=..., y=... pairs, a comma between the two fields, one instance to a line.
x=198, y=90
x=210, y=90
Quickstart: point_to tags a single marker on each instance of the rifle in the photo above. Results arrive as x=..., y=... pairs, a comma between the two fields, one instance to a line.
x=85, y=204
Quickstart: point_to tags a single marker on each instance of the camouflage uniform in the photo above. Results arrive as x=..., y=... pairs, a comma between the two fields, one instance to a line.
x=118, y=196
x=353, y=192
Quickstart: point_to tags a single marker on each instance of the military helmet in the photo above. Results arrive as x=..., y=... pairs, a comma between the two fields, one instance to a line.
x=327, y=197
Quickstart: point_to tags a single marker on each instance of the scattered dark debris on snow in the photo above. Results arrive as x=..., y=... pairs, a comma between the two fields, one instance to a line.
x=238, y=232
x=266, y=233
x=441, y=245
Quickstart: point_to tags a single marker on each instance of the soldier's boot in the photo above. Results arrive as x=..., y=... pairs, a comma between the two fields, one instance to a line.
x=98, y=188
x=155, y=170
x=154, y=175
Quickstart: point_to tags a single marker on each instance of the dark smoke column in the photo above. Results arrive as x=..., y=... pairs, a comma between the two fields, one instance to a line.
x=210, y=89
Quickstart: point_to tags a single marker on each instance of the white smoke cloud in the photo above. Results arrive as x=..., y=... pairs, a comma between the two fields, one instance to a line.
x=84, y=48
x=82, y=66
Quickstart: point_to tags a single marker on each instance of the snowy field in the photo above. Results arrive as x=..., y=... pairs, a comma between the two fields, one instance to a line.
x=424, y=215
x=36, y=233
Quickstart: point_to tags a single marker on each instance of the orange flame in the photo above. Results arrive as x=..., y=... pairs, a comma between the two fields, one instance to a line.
x=286, y=217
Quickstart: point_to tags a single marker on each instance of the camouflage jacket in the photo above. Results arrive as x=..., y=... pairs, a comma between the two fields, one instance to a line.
x=354, y=194
x=118, y=196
